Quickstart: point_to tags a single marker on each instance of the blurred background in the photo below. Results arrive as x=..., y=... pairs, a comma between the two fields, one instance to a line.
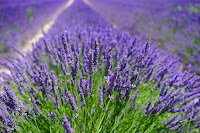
x=173, y=24
x=21, y=19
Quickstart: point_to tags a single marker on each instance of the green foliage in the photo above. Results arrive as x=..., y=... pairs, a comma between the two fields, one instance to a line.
x=179, y=8
x=30, y=14
x=3, y=48
x=194, y=8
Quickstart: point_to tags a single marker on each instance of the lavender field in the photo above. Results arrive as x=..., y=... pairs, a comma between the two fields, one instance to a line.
x=100, y=66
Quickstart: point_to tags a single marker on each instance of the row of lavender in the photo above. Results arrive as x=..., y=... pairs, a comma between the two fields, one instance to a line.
x=174, y=24
x=20, y=19
x=86, y=76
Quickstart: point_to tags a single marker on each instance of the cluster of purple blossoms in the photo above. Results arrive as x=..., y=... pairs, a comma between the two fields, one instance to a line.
x=93, y=62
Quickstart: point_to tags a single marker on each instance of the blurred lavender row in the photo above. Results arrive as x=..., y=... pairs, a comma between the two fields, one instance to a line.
x=21, y=19
x=173, y=24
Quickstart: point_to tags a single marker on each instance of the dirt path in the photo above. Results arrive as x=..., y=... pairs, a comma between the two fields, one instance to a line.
x=39, y=34
x=96, y=9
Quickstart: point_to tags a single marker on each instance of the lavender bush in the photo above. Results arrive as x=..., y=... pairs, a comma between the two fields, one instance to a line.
x=86, y=76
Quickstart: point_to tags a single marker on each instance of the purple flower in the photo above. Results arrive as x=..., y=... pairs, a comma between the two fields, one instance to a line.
x=11, y=101
x=96, y=53
x=147, y=108
x=100, y=95
x=52, y=115
x=121, y=118
x=6, y=119
x=71, y=100
x=65, y=41
x=83, y=128
x=80, y=91
x=66, y=125
x=61, y=95
x=135, y=96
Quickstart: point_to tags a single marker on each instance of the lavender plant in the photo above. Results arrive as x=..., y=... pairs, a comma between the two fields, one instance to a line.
x=93, y=78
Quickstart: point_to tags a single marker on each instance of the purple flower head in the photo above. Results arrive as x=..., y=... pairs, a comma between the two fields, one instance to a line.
x=66, y=125
x=11, y=101
x=96, y=53
x=71, y=100
x=135, y=96
x=147, y=108
x=83, y=128
x=100, y=95
x=65, y=40
x=121, y=118
x=6, y=119
x=80, y=91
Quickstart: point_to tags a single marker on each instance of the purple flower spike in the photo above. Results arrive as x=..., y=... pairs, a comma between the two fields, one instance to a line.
x=66, y=125
x=11, y=101
x=71, y=101
x=147, y=108
x=80, y=91
x=96, y=53
x=121, y=118
x=100, y=95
